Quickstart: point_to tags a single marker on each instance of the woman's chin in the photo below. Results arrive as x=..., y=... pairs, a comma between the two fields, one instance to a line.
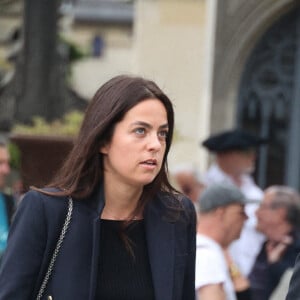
x=146, y=180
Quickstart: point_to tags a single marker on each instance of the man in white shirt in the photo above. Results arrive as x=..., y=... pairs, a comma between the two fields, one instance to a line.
x=221, y=218
x=235, y=155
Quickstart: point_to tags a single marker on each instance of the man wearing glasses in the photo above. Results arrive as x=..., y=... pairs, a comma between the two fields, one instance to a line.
x=278, y=218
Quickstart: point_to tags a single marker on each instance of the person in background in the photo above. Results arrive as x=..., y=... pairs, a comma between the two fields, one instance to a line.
x=278, y=218
x=221, y=218
x=6, y=201
x=131, y=234
x=235, y=156
x=18, y=191
x=188, y=180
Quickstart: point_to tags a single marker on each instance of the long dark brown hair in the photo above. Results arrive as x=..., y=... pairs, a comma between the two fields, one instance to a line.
x=82, y=171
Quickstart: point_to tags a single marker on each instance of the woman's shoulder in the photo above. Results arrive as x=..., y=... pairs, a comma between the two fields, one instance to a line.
x=38, y=209
x=178, y=205
x=43, y=194
x=177, y=199
x=41, y=198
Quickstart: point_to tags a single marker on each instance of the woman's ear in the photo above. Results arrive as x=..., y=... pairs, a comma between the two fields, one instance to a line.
x=104, y=149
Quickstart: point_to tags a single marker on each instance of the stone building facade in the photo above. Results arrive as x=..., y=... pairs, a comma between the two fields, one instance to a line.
x=224, y=63
x=205, y=53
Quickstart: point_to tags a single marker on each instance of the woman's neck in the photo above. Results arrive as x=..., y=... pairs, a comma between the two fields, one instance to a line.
x=120, y=202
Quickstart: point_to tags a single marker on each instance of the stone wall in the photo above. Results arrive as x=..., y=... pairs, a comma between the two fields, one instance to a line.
x=240, y=24
x=171, y=47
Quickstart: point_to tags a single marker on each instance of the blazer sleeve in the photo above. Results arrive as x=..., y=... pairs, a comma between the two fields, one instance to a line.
x=22, y=259
x=294, y=287
x=189, y=280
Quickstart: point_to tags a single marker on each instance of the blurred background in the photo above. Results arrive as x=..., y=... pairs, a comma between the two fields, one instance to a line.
x=225, y=64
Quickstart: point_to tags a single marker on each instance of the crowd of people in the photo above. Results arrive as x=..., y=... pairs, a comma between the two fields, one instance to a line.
x=111, y=225
x=266, y=241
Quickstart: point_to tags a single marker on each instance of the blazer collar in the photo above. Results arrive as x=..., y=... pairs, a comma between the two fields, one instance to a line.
x=96, y=202
x=161, y=249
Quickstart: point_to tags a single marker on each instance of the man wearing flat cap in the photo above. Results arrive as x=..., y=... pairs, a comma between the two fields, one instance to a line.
x=235, y=155
x=221, y=217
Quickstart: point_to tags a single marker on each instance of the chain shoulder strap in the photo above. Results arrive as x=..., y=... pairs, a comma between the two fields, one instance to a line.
x=57, y=248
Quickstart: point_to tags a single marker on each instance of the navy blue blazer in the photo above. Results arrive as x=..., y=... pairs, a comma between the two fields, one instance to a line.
x=37, y=225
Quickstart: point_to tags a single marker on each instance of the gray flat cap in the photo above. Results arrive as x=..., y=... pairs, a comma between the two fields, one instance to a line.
x=219, y=195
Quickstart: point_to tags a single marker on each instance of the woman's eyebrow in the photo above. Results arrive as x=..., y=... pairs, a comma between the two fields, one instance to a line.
x=147, y=125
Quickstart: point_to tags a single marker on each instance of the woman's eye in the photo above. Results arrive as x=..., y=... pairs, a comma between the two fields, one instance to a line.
x=140, y=131
x=163, y=134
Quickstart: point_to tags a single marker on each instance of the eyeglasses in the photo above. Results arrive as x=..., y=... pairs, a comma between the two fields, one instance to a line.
x=268, y=206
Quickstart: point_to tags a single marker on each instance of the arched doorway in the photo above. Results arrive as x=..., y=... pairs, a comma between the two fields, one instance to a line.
x=269, y=101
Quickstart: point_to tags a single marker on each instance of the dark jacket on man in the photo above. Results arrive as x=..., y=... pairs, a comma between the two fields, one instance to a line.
x=265, y=276
x=10, y=207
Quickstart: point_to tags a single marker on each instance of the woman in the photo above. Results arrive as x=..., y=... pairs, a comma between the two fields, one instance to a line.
x=130, y=236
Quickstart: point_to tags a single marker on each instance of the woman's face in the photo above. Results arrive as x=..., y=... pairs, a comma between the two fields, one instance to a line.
x=135, y=153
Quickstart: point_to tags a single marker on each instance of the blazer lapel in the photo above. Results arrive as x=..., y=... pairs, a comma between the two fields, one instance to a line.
x=98, y=202
x=161, y=250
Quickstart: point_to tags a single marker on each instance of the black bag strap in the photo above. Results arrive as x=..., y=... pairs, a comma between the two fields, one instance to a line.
x=56, y=250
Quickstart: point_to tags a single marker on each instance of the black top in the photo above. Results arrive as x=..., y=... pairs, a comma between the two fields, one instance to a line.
x=123, y=275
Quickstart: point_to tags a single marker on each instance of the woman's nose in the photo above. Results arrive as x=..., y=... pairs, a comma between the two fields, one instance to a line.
x=154, y=143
